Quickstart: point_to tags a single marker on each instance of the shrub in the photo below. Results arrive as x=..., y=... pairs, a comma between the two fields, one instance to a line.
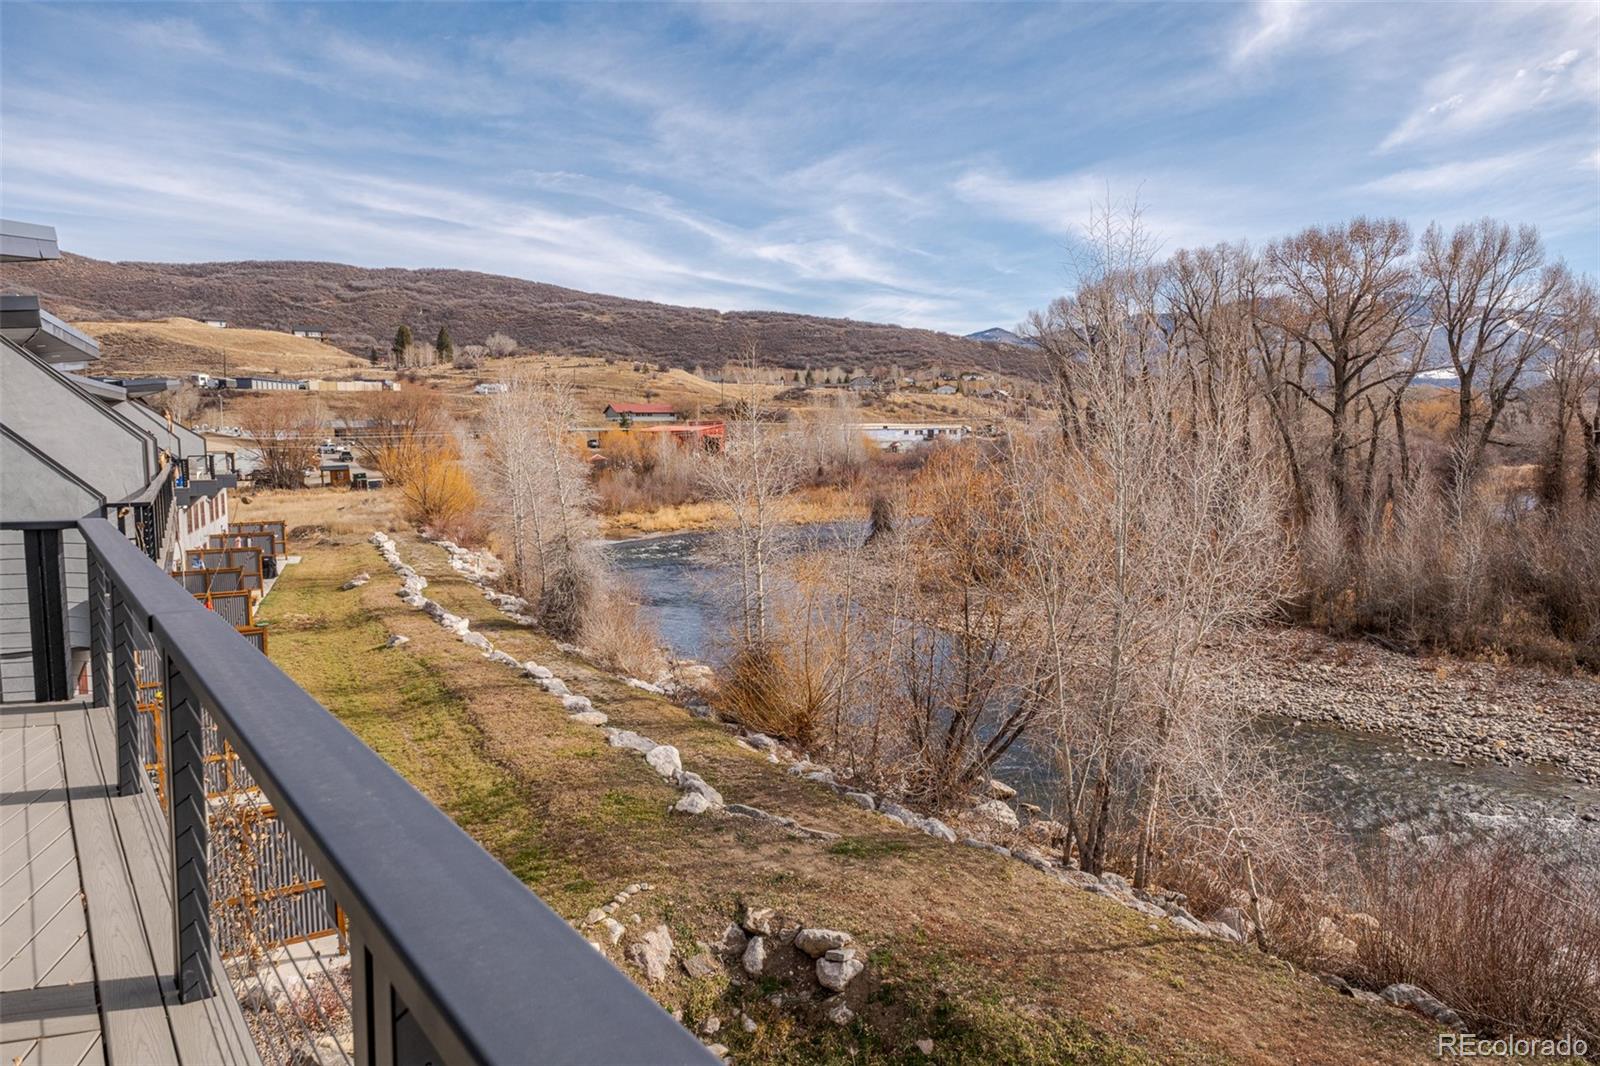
x=758, y=691
x=1493, y=929
x=621, y=638
x=437, y=492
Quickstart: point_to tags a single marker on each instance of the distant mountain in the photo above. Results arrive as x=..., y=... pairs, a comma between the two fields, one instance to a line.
x=998, y=335
x=358, y=309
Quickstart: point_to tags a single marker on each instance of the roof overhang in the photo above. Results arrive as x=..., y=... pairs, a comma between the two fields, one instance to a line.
x=24, y=323
x=105, y=390
x=144, y=386
x=25, y=242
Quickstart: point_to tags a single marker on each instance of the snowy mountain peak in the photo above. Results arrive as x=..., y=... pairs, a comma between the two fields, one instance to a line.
x=999, y=335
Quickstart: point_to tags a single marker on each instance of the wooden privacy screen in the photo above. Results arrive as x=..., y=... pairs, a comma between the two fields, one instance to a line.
x=255, y=635
x=236, y=607
x=220, y=579
x=247, y=559
x=279, y=534
x=265, y=541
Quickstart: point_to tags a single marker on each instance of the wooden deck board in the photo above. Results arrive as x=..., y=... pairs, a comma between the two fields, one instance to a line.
x=48, y=1006
x=85, y=922
x=211, y=1030
x=132, y=1010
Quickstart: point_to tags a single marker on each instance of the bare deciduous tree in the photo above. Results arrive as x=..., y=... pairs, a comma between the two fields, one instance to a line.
x=754, y=472
x=1347, y=294
x=283, y=432
x=1489, y=297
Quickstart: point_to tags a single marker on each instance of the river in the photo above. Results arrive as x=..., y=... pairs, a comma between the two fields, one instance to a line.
x=1365, y=783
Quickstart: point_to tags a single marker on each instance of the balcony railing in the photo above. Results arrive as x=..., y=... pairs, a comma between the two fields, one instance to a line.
x=451, y=958
x=144, y=518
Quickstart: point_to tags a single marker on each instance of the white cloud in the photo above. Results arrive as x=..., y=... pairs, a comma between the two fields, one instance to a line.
x=1272, y=26
x=1452, y=178
x=1517, y=65
x=1175, y=211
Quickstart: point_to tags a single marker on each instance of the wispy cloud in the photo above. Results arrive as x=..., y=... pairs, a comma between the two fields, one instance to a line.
x=1272, y=26
x=1518, y=65
x=1451, y=178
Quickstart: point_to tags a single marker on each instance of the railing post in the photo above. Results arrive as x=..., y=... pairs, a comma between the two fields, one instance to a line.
x=125, y=677
x=99, y=632
x=186, y=817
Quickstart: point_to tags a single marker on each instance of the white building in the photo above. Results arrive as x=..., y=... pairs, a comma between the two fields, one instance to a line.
x=897, y=436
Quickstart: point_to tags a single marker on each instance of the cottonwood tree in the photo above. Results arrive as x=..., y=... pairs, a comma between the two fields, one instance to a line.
x=754, y=472
x=1346, y=296
x=182, y=403
x=546, y=511
x=402, y=425
x=499, y=345
x=1570, y=359
x=1174, y=538
x=283, y=431
x=515, y=465
x=1490, y=296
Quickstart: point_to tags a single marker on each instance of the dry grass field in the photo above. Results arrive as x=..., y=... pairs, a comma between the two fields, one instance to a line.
x=183, y=346
x=320, y=512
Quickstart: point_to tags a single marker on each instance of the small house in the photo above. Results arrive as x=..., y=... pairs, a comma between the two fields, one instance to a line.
x=640, y=412
x=945, y=390
x=309, y=334
x=215, y=323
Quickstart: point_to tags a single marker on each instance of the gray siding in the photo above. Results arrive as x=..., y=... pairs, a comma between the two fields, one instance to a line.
x=16, y=659
x=78, y=433
x=16, y=638
x=75, y=582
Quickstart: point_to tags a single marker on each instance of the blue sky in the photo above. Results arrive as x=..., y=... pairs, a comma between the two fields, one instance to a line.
x=926, y=164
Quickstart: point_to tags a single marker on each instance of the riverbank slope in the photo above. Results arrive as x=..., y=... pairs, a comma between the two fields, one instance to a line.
x=987, y=958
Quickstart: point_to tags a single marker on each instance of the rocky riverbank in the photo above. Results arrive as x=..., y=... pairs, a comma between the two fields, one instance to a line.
x=1453, y=709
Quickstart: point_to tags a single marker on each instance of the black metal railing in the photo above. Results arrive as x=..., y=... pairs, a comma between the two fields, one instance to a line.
x=145, y=517
x=207, y=467
x=451, y=958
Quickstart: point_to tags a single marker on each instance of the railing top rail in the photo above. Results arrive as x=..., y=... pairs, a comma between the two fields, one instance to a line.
x=149, y=493
x=491, y=973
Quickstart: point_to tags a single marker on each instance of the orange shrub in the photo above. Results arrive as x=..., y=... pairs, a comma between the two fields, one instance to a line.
x=437, y=492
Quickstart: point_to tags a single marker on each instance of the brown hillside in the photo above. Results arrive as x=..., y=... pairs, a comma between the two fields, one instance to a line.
x=183, y=346
x=360, y=308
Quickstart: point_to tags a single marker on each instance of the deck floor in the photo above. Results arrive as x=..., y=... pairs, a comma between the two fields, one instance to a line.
x=86, y=902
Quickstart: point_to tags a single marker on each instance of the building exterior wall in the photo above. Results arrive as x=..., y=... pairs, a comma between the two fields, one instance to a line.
x=203, y=517
x=16, y=656
x=885, y=436
x=77, y=432
x=16, y=634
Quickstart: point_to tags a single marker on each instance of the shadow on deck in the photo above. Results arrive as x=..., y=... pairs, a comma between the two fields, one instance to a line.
x=87, y=939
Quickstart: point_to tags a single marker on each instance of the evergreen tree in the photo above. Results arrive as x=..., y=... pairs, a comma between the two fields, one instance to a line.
x=402, y=342
x=811, y=379
x=444, y=346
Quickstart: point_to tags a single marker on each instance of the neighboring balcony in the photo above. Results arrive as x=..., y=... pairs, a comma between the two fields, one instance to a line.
x=203, y=866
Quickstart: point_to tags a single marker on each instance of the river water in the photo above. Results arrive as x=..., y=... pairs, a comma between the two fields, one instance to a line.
x=1365, y=783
